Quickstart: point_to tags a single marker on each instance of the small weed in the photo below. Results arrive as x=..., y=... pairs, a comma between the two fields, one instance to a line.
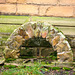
x=0, y=67
x=66, y=72
x=21, y=66
x=73, y=73
x=9, y=59
x=65, y=68
x=34, y=70
x=49, y=68
x=74, y=69
x=55, y=68
x=53, y=56
x=9, y=66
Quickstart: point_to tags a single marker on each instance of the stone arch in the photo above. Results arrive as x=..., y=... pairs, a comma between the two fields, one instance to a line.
x=39, y=29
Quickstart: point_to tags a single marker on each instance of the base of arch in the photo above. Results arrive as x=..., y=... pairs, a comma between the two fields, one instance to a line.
x=65, y=56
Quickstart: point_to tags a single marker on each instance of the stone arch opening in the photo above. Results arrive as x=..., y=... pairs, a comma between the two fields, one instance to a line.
x=37, y=30
x=36, y=46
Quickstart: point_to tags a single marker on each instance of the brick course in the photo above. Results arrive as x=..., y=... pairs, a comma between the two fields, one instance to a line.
x=64, y=11
x=2, y=1
x=27, y=9
x=53, y=2
x=7, y=8
x=74, y=12
x=67, y=2
x=42, y=10
x=21, y=1
x=11, y=1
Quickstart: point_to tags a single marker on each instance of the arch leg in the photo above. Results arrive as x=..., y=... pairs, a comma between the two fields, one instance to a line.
x=65, y=56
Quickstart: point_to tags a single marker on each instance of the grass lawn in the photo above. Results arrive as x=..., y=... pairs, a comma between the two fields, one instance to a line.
x=8, y=28
x=23, y=19
x=36, y=70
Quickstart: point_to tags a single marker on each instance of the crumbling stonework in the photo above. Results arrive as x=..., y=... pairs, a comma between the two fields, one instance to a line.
x=39, y=29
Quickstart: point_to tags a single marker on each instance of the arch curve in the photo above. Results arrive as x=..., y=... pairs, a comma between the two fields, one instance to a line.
x=39, y=29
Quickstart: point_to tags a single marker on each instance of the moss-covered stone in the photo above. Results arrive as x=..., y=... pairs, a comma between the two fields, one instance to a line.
x=2, y=60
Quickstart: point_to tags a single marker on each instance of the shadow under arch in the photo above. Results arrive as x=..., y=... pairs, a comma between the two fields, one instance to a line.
x=39, y=29
x=36, y=46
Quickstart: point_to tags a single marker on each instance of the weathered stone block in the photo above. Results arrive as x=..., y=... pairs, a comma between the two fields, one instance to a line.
x=21, y=32
x=55, y=40
x=18, y=38
x=2, y=1
x=67, y=2
x=64, y=11
x=37, y=32
x=52, y=32
x=2, y=60
x=27, y=9
x=11, y=1
x=15, y=54
x=26, y=37
x=11, y=53
x=53, y=2
x=16, y=45
x=21, y=1
x=62, y=46
x=74, y=12
x=50, y=39
x=30, y=31
x=8, y=8
x=44, y=31
x=65, y=56
x=7, y=52
x=44, y=34
x=43, y=10
x=34, y=26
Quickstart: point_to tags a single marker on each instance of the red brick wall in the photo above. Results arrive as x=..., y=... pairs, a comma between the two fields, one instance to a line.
x=61, y=8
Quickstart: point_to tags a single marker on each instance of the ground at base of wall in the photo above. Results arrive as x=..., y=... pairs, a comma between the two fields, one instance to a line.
x=34, y=61
x=36, y=69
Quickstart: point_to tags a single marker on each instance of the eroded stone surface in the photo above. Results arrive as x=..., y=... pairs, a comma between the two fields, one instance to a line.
x=11, y=53
x=2, y=59
x=39, y=29
x=30, y=31
x=55, y=40
x=66, y=56
x=44, y=32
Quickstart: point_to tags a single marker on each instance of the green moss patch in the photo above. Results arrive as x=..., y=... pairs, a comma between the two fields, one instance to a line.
x=65, y=68
x=9, y=59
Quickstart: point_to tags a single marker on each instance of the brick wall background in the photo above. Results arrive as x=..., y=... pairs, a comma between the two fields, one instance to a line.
x=62, y=8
